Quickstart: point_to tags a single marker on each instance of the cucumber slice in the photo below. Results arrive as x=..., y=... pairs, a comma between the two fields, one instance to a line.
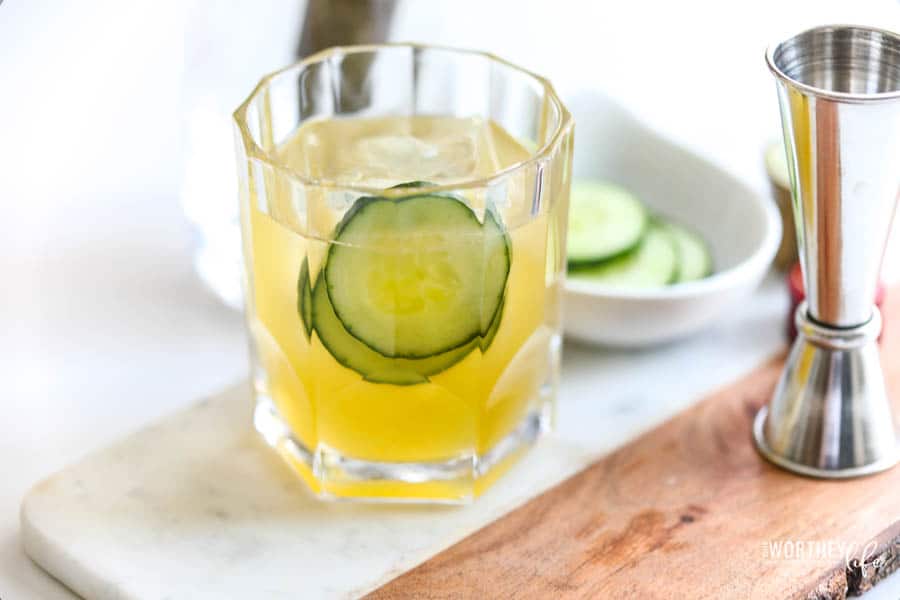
x=499, y=271
x=416, y=276
x=653, y=263
x=412, y=185
x=304, y=298
x=374, y=367
x=497, y=261
x=491, y=333
x=694, y=258
x=495, y=272
x=605, y=221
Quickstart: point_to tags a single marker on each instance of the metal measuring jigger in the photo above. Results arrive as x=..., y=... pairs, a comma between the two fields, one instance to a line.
x=839, y=92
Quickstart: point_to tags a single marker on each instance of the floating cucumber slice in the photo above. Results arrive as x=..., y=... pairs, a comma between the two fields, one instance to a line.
x=416, y=276
x=304, y=298
x=373, y=366
x=605, y=221
x=653, y=263
x=694, y=258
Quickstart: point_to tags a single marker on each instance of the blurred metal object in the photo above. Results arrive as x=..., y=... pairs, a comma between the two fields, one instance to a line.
x=329, y=23
x=839, y=92
x=344, y=22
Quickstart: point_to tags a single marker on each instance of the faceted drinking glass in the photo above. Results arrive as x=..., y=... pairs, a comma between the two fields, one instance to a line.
x=403, y=212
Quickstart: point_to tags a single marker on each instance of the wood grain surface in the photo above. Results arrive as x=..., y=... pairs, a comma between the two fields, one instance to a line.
x=688, y=510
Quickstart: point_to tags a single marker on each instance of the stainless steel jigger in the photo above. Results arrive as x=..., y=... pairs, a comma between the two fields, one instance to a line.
x=839, y=92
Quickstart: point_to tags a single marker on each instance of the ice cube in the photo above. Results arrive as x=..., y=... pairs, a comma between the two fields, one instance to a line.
x=392, y=159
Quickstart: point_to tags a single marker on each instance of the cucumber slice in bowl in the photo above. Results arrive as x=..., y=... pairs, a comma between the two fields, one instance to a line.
x=416, y=276
x=374, y=367
x=605, y=221
x=653, y=263
x=694, y=257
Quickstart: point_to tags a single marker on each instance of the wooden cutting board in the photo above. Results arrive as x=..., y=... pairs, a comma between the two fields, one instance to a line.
x=688, y=510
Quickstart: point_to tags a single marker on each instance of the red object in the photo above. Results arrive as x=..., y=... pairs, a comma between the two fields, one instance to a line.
x=798, y=294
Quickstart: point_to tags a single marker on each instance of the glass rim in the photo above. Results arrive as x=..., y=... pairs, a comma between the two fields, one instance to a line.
x=253, y=149
x=773, y=53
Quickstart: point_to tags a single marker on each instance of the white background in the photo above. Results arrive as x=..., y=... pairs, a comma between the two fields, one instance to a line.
x=104, y=327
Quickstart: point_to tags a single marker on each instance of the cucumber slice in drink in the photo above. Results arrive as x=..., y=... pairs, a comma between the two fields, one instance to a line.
x=497, y=261
x=653, y=263
x=605, y=221
x=694, y=258
x=412, y=185
x=304, y=298
x=416, y=276
x=491, y=333
x=374, y=367
x=494, y=234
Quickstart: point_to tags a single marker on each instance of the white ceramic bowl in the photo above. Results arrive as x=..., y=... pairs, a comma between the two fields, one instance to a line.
x=742, y=228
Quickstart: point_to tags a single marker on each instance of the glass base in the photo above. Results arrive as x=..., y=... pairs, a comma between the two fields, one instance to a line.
x=458, y=480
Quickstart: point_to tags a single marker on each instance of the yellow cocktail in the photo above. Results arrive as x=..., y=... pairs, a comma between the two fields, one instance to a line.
x=403, y=283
